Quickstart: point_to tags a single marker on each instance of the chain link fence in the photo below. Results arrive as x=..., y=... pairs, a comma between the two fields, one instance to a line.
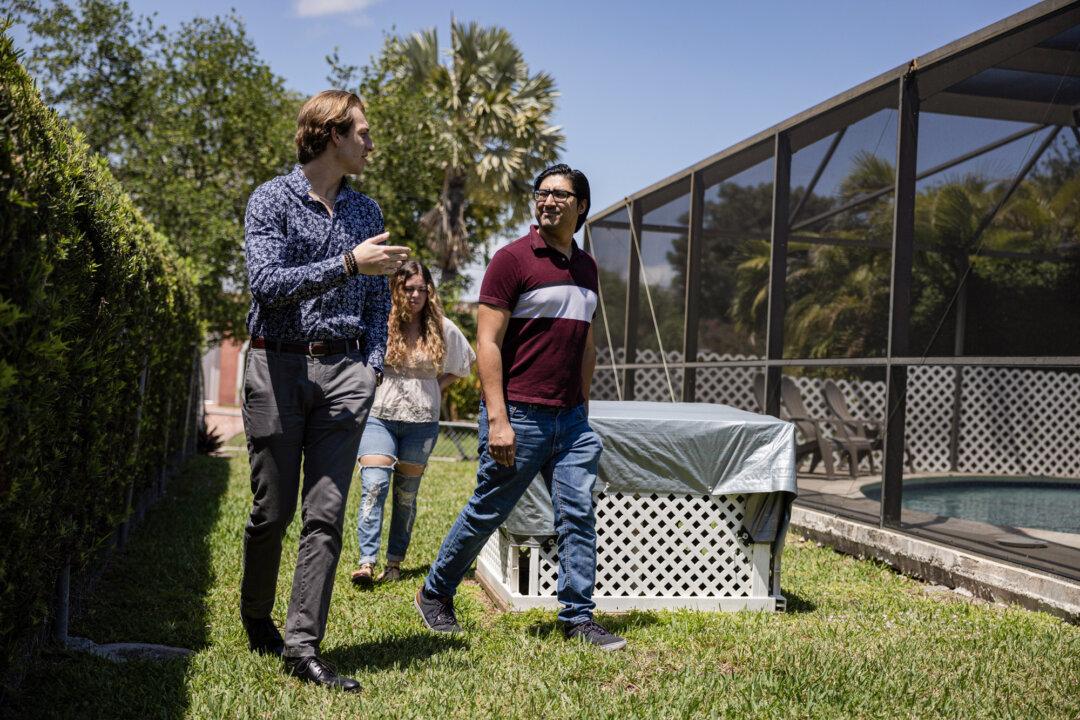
x=456, y=441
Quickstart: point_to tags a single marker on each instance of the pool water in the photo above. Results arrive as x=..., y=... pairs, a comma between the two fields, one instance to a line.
x=1049, y=505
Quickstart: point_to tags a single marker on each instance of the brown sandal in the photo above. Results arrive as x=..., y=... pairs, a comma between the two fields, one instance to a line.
x=363, y=575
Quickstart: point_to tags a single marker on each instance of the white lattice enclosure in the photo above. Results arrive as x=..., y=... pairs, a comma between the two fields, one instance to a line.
x=1011, y=421
x=653, y=551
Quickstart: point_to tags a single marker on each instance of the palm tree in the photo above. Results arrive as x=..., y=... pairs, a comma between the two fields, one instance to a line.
x=836, y=292
x=839, y=294
x=494, y=124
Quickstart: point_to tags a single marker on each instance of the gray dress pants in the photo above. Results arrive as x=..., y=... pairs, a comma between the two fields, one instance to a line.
x=310, y=409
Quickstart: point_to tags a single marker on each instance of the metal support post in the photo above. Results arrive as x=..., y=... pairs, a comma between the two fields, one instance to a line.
x=781, y=225
x=693, y=283
x=900, y=299
x=633, y=284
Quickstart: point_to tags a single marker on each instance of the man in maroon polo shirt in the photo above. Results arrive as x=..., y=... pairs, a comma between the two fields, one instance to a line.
x=536, y=357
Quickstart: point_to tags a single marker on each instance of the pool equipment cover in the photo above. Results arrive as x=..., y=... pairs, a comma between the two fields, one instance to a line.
x=683, y=449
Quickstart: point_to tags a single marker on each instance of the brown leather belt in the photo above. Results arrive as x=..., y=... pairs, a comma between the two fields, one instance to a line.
x=315, y=348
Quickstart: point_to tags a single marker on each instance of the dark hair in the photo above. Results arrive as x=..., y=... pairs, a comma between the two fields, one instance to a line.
x=578, y=181
x=326, y=111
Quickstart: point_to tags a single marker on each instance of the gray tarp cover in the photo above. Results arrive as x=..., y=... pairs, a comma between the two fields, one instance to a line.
x=683, y=448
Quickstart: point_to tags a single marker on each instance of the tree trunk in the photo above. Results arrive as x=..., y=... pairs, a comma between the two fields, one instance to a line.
x=445, y=228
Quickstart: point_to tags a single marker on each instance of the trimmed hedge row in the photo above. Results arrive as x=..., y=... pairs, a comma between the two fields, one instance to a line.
x=91, y=297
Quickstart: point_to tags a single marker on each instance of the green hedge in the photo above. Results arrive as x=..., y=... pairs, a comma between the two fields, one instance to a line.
x=90, y=295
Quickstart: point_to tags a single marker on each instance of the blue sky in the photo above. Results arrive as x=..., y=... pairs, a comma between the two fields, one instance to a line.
x=647, y=89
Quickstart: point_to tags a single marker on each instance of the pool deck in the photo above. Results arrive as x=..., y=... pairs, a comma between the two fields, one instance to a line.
x=843, y=497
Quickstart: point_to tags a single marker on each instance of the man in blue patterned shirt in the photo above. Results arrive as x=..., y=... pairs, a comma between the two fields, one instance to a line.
x=316, y=260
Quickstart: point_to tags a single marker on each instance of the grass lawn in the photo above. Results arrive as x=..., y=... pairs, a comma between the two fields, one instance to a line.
x=858, y=640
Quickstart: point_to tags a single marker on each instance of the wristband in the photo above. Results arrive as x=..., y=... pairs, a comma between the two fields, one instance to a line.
x=350, y=264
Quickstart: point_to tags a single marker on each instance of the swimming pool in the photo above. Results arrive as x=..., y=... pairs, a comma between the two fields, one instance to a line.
x=1045, y=503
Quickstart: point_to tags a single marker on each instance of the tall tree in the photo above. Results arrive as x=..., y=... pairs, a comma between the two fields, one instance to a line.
x=190, y=120
x=404, y=171
x=91, y=60
x=838, y=293
x=494, y=125
x=223, y=123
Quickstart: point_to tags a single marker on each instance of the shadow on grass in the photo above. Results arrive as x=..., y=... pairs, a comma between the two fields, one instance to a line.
x=154, y=592
x=406, y=575
x=798, y=604
x=415, y=572
x=617, y=624
x=395, y=652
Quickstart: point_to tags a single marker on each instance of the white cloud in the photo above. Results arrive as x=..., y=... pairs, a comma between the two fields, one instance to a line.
x=321, y=8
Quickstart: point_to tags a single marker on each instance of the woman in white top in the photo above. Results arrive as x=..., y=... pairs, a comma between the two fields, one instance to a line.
x=425, y=353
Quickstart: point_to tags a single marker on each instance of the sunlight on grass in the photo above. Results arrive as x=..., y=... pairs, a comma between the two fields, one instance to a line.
x=859, y=641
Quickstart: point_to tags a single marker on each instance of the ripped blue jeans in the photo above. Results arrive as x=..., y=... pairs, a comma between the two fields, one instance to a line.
x=406, y=442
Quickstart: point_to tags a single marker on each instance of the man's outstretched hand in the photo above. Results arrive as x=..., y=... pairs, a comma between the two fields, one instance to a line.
x=374, y=258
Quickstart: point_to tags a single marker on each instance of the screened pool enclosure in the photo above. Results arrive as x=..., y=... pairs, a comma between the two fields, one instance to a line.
x=897, y=270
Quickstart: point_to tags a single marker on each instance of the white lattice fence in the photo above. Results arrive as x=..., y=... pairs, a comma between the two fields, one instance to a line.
x=652, y=551
x=604, y=386
x=1020, y=422
x=1012, y=421
x=928, y=424
x=652, y=383
x=865, y=398
x=732, y=386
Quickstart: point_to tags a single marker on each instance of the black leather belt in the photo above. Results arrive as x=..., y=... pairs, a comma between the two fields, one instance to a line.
x=314, y=348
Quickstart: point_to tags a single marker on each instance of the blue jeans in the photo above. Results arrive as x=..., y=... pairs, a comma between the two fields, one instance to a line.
x=406, y=442
x=558, y=444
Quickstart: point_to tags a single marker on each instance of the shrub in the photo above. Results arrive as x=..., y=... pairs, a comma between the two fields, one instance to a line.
x=91, y=298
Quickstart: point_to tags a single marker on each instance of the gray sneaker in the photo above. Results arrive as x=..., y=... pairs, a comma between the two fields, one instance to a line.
x=592, y=632
x=391, y=573
x=437, y=612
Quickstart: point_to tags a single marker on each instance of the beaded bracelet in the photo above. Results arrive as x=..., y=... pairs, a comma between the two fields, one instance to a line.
x=350, y=264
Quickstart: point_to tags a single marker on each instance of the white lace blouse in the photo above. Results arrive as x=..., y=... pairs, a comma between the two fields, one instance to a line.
x=411, y=392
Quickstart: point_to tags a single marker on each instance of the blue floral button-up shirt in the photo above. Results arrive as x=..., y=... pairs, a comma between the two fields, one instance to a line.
x=300, y=290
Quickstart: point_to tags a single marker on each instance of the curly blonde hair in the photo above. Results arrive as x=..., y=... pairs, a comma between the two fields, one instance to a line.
x=431, y=336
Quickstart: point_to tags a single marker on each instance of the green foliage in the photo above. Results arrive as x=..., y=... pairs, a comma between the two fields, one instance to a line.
x=838, y=294
x=451, y=170
x=91, y=297
x=492, y=122
x=403, y=173
x=463, y=398
x=461, y=401
x=190, y=120
x=610, y=319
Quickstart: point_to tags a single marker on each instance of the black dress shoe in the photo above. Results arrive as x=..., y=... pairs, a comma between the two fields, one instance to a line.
x=314, y=669
x=263, y=636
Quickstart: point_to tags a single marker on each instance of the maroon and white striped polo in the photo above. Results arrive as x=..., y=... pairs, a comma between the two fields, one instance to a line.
x=551, y=299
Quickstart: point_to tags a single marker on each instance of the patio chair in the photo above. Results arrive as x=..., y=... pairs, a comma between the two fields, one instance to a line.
x=810, y=447
x=838, y=407
x=847, y=425
x=816, y=443
x=846, y=442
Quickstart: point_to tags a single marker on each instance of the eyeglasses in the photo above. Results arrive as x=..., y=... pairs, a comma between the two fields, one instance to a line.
x=559, y=195
x=418, y=289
